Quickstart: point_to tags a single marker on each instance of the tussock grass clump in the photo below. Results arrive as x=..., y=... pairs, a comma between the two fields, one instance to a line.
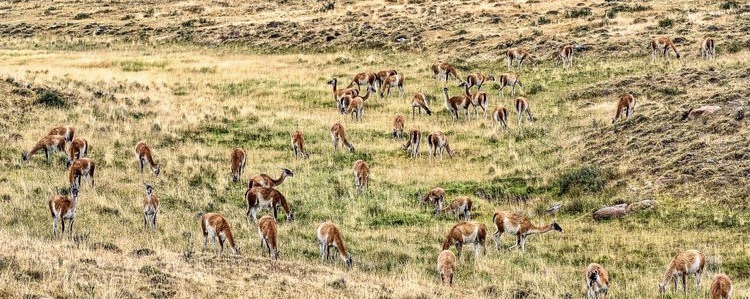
x=586, y=179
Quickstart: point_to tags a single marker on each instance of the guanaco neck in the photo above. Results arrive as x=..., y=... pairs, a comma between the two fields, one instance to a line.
x=229, y=236
x=539, y=230
x=668, y=274
x=340, y=246
x=280, y=180
x=367, y=95
x=151, y=161
x=284, y=204
x=448, y=241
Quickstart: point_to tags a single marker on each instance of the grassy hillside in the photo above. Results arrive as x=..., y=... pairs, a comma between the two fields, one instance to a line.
x=194, y=101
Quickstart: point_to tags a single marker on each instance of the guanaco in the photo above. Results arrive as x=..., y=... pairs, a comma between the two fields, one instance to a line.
x=267, y=232
x=79, y=148
x=238, y=158
x=64, y=208
x=262, y=198
x=363, y=78
x=500, y=116
x=338, y=94
x=466, y=232
x=452, y=104
x=361, y=175
x=509, y=79
x=83, y=167
x=564, y=55
x=394, y=80
x=298, y=144
x=144, y=154
x=412, y=145
x=329, y=235
x=50, y=144
x=437, y=140
x=663, y=45
x=446, y=266
x=215, y=226
x=398, y=126
x=708, y=48
x=461, y=207
x=381, y=76
x=444, y=70
x=419, y=102
x=356, y=106
x=522, y=106
x=478, y=79
x=65, y=131
x=150, y=207
x=338, y=134
x=478, y=99
x=690, y=262
x=597, y=281
x=436, y=196
x=518, y=54
x=264, y=180
x=721, y=287
x=520, y=226
x=625, y=103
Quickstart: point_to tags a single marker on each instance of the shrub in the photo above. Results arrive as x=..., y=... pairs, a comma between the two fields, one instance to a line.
x=589, y=179
x=578, y=13
x=666, y=23
x=734, y=46
x=731, y=4
x=82, y=16
x=51, y=99
x=542, y=20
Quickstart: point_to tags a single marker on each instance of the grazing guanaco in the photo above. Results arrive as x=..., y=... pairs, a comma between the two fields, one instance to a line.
x=435, y=196
x=708, y=48
x=395, y=80
x=564, y=54
x=721, y=287
x=444, y=70
x=662, y=44
x=509, y=79
x=520, y=226
x=329, y=235
x=363, y=78
x=446, y=265
x=690, y=262
x=267, y=232
x=83, y=167
x=144, y=154
x=79, y=148
x=339, y=135
x=419, y=102
x=266, y=198
x=361, y=175
x=344, y=103
x=381, y=76
x=437, y=140
x=466, y=232
x=215, y=226
x=452, y=104
x=597, y=281
x=50, y=144
x=478, y=79
x=298, y=144
x=150, y=207
x=412, y=145
x=64, y=208
x=264, y=180
x=398, y=126
x=518, y=54
x=238, y=157
x=338, y=94
x=356, y=106
x=478, y=99
x=65, y=131
x=500, y=116
x=625, y=103
x=461, y=207
x=522, y=106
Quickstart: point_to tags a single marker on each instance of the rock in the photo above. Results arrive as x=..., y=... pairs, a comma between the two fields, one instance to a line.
x=622, y=210
x=698, y=112
x=641, y=205
x=400, y=38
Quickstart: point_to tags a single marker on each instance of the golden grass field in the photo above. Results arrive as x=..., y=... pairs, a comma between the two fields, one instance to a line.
x=193, y=102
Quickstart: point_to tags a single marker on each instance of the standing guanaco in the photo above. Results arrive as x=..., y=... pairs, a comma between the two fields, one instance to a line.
x=329, y=235
x=452, y=104
x=398, y=126
x=363, y=78
x=461, y=207
x=298, y=144
x=509, y=79
x=564, y=54
x=478, y=79
x=263, y=198
x=79, y=148
x=83, y=167
x=50, y=144
x=267, y=231
x=518, y=54
x=500, y=116
x=478, y=99
x=238, y=157
x=65, y=131
x=419, y=102
x=412, y=145
x=361, y=175
x=264, y=180
x=721, y=287
x=64, y=208
x=144, y=154
x=625, y=103
x=382, y=75
x=522, y=106
x=520, y=226
x=150, y=207
x=338, y=94
x=684, y=263
x=597, y=281
x=444, y=70
x=215, y=226
x=466, y=232
x=435, y=196
x=708, y=48
x=446, y=265
x=662, y=44
x=437, y=140
x=339, y=135
x=394, y=80
x=356, y=106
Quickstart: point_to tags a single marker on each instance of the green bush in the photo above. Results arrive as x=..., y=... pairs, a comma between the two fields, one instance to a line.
x=578, y=13
x=588, y=179
x=542, y=20
x=51, y=99
x=734, y=46
x=666, y=23
x=731, y=4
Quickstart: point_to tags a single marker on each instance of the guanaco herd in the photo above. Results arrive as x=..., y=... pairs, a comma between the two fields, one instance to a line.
x=262, y=193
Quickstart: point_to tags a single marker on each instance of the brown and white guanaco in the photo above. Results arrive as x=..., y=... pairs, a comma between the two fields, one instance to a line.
x=215, y=226
x=520, y=226
x=50, y=144
x=478, y=79
x=143, y=155
x=150, y=207
x=264, y=180
x=298, y=144
x=509, y=79
x=65, y=131
x=454, y=103
x=64, y=208
x=689, y=262
x=518, y=54
x=708, y=48
x=662, y=45
x=721, y=287
x=597, y=281
x=361, y=175
x=266, y=198
x=267, y=231
x=79, y=148
x=444, y=70
x=363, y=78
x=500, y=117
x=238, y=158
x=564, y=55
x=381, y=76
x=436, y=196
x=398, y=126
x=394, y=80
x=338, y=135
x=626, y=103
x=461, y=207
x=412, y=145
x=83, y=167
x=522, y=107
x=466, y=232
x=419, y=102
x=478, y=99
x=446, y=266
x=338, y=94
x=329, y=235
x=356, y=107
x=437, y=141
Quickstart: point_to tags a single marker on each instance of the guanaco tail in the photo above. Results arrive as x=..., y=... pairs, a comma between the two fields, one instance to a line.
x=564, y=54
x=500, y=117
x=522, y=106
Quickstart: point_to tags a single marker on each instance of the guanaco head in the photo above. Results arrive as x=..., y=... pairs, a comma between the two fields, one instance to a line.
x=686, y=114
x=331, y=82
x=287, y=172
x=149, y=189
x=157, y=169
x=236, y=250
x=25, y=155
x=555, y=226
x=348, y=261
x=490, y=77
x=74, y=190
x=445, y=90
x=290, y=217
